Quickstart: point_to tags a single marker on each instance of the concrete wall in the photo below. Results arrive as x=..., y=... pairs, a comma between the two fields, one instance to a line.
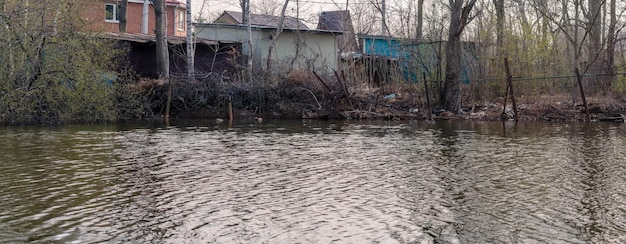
x=318, y=50
x=228, y=33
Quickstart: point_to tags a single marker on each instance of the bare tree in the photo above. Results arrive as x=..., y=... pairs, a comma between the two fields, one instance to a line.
x=279, y=30
x=610, y=46
x=420, y=20
x=162, y=51
x=521, y=12
x=245, y=9
x=500, y=19
x=594, y=48
x=583, y=35
x=363, y=15
x=190, y=47
x=383, y=13
x=160, y=31
x=380, y=6
x=297, y=39
x=459, y=18
x=203, y=14
x=267, y=7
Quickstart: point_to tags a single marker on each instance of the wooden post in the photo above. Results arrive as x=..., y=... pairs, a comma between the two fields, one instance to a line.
x=509, y=80
x=582, y=93
x=230, y=108
x=506, y=98
x=430, y=109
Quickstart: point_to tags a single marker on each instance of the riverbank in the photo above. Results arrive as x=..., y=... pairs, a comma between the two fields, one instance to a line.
x=296, y=98
x=542, y=108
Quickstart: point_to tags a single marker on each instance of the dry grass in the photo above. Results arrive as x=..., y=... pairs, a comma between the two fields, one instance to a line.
x=300, y=94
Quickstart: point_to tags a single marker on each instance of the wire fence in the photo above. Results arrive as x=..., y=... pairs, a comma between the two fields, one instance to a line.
x=521, y=78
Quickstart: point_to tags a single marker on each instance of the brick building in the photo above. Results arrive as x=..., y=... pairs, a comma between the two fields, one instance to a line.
x=104, y=16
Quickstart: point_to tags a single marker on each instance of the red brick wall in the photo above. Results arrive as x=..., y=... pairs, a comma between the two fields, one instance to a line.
x=95, y=16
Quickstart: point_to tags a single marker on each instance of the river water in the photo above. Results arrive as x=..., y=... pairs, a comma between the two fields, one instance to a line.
x=314, y=182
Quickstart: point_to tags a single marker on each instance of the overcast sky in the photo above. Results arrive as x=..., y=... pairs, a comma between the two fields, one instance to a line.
x=309, y=9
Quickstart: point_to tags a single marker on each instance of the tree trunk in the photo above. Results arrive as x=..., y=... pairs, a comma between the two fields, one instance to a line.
x=123, y=16
x=521, y=11
x=245, y=12
x=420, y=20
x=245, y=7
x=11, y=64
x=451, y=87
x=595, y=29
x=190, y=45
x=162, y=52
x=297, y=39
x=250, y=44
x=383, y=15
x=610, y=45
x=279, y=30
x=499, y=5
x=459, y=18
x=595, y=46
x=566, y=29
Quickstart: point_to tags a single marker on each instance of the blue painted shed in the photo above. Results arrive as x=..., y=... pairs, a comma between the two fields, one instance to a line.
x=396, y=53
x=383, y=46
x=414, y=58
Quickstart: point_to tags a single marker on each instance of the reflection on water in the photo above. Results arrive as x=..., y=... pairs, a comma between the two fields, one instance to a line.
x=314, y=182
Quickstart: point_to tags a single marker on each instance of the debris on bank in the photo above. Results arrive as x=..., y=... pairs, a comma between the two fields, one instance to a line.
x=298, y=98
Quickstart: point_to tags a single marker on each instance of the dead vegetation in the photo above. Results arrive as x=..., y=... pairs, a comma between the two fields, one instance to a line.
x=301, y=94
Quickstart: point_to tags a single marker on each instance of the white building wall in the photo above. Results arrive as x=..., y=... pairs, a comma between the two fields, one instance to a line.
x=316, y=51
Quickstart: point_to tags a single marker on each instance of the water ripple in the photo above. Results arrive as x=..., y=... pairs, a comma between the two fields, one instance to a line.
x=315, y=182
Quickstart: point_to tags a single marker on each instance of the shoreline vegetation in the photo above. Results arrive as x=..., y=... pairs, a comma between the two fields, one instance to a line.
x=302, y=95
x=56, y=69
x=91, y=94
x=110, y=97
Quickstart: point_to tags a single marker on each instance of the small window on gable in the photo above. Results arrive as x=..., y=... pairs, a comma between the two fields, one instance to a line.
x=180, y=20
x=111, y=13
